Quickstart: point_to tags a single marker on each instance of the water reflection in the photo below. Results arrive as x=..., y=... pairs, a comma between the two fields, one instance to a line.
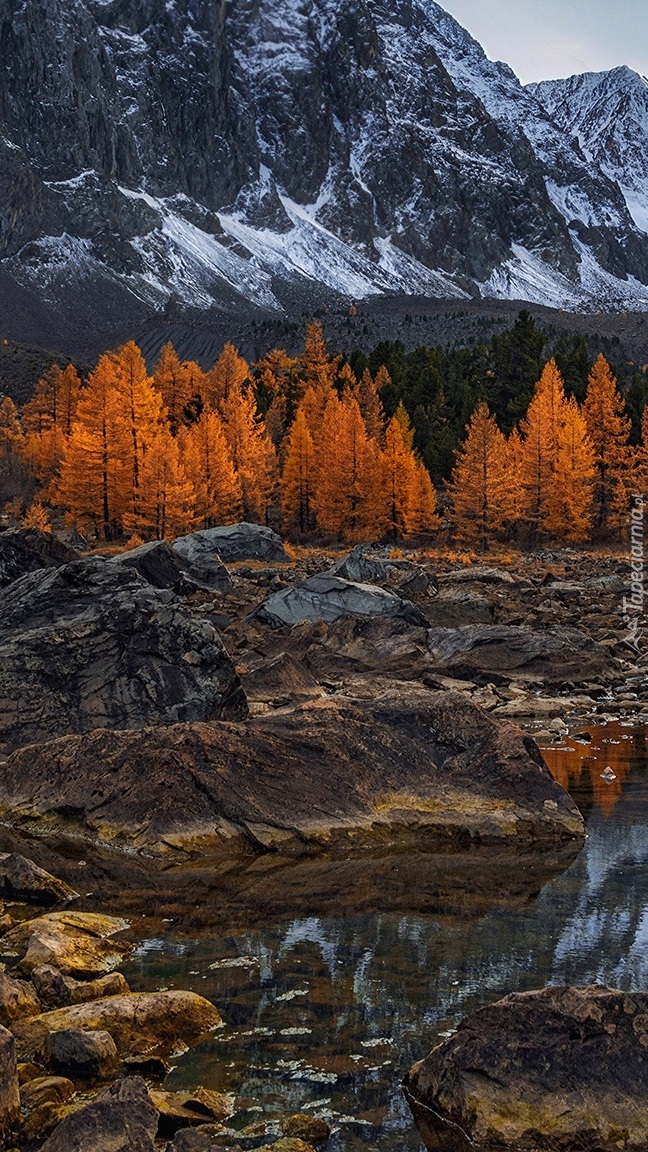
x=327, y=1005
x=579, y=764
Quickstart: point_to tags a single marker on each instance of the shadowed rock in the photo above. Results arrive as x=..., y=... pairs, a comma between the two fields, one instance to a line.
x=556, y=1069
x=120, y=1119
x=21, y=879
x=412, y=769
x=496, y=653
x=9, y=1090
x=162, y=567
x=24, y=550
x=327, y=598
x=93, y=645
x=82, y=1055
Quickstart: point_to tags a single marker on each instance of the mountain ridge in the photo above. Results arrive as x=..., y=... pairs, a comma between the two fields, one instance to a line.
x=160, y=158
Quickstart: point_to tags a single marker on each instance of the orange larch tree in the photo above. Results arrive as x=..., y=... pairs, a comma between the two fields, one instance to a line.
x=166, y=498
x=47, y=418
x=298, y=477
x=399, y=479
x=348, y=496
x=540, y=444
x=208, y=465
x=609, y=430
x=11, y=450
x=373, y=413
x=176, y=384
x=253, y=453
x=142, y=414
x=94, y=484
x=423, y=517
x=570, y=499
x=226, y=378
x=481, y=485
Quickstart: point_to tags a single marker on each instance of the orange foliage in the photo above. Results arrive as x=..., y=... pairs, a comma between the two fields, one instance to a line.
x=481, y=488
x=609, y=430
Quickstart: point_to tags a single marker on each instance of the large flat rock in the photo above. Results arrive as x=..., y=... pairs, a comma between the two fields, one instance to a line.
x=93, y=645
x=557, y=1069
x=500, y=652
x=412, y=769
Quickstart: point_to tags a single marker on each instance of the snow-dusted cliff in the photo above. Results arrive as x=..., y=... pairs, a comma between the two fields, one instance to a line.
x=192, y=153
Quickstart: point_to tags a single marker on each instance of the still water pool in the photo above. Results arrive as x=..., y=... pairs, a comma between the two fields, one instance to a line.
x=333, y=978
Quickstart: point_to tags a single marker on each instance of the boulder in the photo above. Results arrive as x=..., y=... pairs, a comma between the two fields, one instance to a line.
x=496, y=653
x=555, y=1069
x=161, y=1023
x=17, y=999
x=413, y=768
x=455, y=607
x=362, y=567
x=56, y=990
x=162, y=567
x=277, y=678
x=83, y=1055
x=305, y=1127
x=24, y=550
x=46, y=1090
x=328, y=598
x=292, y=1144
x=92, y=645
x=186, y=1109
x=231, y=543
x=21, y=879
x=9, y=1090
x=77, y=943
x=120, y=1119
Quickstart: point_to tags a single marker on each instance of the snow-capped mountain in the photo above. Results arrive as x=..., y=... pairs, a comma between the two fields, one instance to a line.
x=191, y=154
x=608, y=112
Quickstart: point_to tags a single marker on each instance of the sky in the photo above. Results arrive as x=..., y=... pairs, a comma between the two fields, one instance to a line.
x=548, y=39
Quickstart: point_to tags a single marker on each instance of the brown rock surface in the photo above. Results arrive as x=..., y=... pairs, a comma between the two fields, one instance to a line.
x=557, y=1069
x=120, y=1119
x=409, y=770
x=77, y=943
x=140, y=1023
x=9, y=1090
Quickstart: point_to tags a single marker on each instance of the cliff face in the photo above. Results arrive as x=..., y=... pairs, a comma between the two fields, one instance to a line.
x=192, y=153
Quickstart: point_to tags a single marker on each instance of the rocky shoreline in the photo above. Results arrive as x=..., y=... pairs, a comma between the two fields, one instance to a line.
x=294, y=724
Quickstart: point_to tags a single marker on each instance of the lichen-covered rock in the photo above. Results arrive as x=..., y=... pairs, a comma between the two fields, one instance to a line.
x=56, y=990
x=92, y=645
x=305, y=1127
x=161, y=1023
x=77, y=943
x=17, y=999
x=555, y=1069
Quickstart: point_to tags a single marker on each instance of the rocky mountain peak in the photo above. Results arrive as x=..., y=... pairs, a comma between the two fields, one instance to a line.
x=193, y=154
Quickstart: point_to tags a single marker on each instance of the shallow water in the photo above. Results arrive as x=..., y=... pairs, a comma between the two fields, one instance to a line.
x=326, y=1010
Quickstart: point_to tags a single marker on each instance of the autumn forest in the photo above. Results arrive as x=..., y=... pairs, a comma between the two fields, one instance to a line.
x=320, y=446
